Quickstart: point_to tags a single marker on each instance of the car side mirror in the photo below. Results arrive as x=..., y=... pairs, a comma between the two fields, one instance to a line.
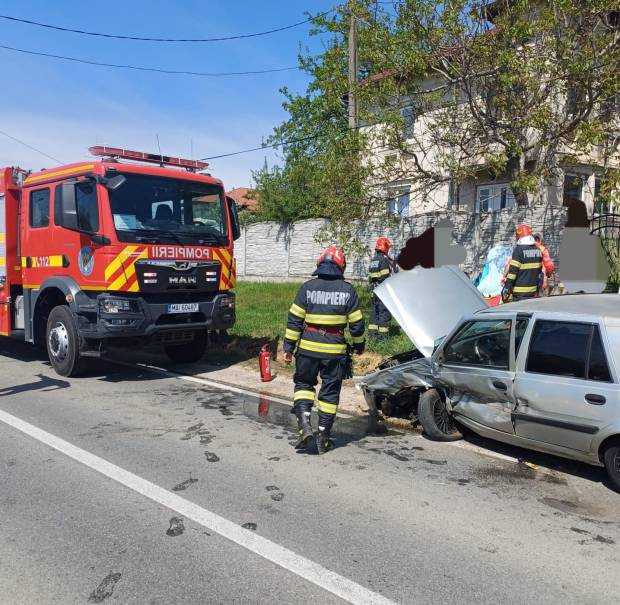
x=234, y=218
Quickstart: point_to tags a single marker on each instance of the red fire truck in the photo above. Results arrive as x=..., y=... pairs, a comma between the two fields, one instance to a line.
x=131, y=248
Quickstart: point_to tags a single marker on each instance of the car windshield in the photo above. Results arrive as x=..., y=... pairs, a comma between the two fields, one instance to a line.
x=153, y=209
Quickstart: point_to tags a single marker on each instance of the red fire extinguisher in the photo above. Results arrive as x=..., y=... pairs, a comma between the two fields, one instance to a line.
x=264, y=364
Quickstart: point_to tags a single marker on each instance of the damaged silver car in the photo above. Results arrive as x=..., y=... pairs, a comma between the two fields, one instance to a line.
x=542, y=374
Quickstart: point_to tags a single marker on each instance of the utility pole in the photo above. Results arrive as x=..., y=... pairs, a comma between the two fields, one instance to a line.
x=352, y=66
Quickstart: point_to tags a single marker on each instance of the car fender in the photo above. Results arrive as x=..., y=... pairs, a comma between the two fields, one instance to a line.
x=610, y=430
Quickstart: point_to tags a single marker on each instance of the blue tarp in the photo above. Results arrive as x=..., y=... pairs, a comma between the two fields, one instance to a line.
x=489, y=281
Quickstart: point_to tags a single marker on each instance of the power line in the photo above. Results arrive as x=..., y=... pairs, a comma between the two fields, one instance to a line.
x=273, y=146
x=155, y=39
x=152, y=69
x=50, y=157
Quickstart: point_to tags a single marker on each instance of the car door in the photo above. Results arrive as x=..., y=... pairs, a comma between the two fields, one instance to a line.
x=476, y=366
x=564, y=384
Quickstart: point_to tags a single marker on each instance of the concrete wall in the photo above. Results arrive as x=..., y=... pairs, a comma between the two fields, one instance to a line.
x=270, y=251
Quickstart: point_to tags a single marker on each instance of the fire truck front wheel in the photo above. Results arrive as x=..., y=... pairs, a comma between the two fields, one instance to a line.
x=188, y=352
x=62, y=341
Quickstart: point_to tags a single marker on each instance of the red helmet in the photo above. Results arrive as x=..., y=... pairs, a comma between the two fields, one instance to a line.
x=523, y=230
x=383, y=245
x=335, y=255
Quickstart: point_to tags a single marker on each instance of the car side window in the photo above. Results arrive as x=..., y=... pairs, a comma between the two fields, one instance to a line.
x=40, y=208
x=483, y=343
x=597, y=367
x=559, y=348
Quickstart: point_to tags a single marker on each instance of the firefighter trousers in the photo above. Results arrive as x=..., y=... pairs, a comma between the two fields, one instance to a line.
x=380, y=316
x=307, y=371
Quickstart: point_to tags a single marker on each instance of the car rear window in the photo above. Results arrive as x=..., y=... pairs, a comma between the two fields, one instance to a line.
x=564, y=348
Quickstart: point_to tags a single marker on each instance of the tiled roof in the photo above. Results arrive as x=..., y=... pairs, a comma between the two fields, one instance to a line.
x=241, y=196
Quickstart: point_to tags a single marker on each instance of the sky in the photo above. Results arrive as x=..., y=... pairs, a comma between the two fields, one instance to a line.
x=62, y=108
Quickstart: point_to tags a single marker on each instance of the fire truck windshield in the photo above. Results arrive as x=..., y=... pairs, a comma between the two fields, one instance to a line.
x=154, y=209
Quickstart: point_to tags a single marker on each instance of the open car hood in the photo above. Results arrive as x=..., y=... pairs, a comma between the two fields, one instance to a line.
x=427, y=303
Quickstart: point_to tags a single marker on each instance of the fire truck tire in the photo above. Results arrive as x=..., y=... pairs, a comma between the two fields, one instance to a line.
x=188, y=352
x=63, y=343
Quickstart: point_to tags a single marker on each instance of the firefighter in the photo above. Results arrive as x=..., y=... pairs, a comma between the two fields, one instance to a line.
x=525, y=267
x=380, y=269
x=322, y=309
x=547, y=264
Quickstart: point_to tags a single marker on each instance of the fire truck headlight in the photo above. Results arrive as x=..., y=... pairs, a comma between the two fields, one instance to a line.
x=117, y=305
x=227, y=302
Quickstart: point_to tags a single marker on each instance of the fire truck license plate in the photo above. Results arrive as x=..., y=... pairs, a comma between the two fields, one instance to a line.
x=183, y=308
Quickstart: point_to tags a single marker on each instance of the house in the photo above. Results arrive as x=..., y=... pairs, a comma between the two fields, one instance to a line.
x=245, y=198
x=576, y=184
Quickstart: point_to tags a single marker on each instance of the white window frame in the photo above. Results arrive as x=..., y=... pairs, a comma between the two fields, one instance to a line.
x=398, y=204
x=494, y=197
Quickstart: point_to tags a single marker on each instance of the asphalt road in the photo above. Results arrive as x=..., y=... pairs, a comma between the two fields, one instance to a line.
x=397, y=515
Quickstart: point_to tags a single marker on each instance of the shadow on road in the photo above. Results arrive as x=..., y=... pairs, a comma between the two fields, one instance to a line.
x=44, y=384
x=546, y=461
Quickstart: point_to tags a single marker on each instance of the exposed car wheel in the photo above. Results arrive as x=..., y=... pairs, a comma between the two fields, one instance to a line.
x=63, y=343
x=188, y=352
x=435, y=418
x=612, y=463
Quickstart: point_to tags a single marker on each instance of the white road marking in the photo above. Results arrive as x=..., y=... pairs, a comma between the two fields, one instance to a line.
x=222, y=386
x=234, y=389
x=309, y=570
x=465, y=445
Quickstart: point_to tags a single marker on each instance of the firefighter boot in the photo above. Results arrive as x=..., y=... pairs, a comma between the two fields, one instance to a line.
x=323, y=442
x=305, y=429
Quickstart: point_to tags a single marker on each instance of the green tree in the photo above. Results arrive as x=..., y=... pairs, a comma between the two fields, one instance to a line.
x=520, y=88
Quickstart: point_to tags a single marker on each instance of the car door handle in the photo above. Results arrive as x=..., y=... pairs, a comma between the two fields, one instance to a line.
x=595, y=399
x=499, y=385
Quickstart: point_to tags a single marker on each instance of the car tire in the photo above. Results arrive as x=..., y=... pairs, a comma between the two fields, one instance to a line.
x=435, y=418
x=63, y=342
x=611, y=458
x=188, y=352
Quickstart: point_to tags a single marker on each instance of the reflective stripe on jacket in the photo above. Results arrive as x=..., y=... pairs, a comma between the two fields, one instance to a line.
x=380, y=268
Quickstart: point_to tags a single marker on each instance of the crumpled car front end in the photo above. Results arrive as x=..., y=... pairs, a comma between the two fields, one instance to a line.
x=427, y=304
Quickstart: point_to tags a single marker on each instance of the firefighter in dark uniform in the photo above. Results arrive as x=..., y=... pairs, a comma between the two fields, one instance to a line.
x=323, y=307
x=525, y=267
x=380, y=269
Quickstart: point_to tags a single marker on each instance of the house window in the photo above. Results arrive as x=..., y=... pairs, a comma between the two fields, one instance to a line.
x=601, y=202
x=399, y=205
x=491, y=198
x=408, y=116
x=454, y=195
x=573, y=187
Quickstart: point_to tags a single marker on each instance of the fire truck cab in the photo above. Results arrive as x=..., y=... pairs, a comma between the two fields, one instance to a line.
x=131, y=248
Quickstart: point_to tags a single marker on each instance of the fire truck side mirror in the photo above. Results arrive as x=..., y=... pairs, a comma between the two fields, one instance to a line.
x=234, y=218
x=66, y=211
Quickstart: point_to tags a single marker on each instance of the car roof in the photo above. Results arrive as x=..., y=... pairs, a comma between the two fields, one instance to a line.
x=606, y=306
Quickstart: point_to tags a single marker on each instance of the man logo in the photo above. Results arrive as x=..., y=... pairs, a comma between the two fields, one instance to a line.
x=86, y=260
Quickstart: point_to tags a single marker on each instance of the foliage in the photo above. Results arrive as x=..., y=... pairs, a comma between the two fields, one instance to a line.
x=506, y=89
x=262, y=309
